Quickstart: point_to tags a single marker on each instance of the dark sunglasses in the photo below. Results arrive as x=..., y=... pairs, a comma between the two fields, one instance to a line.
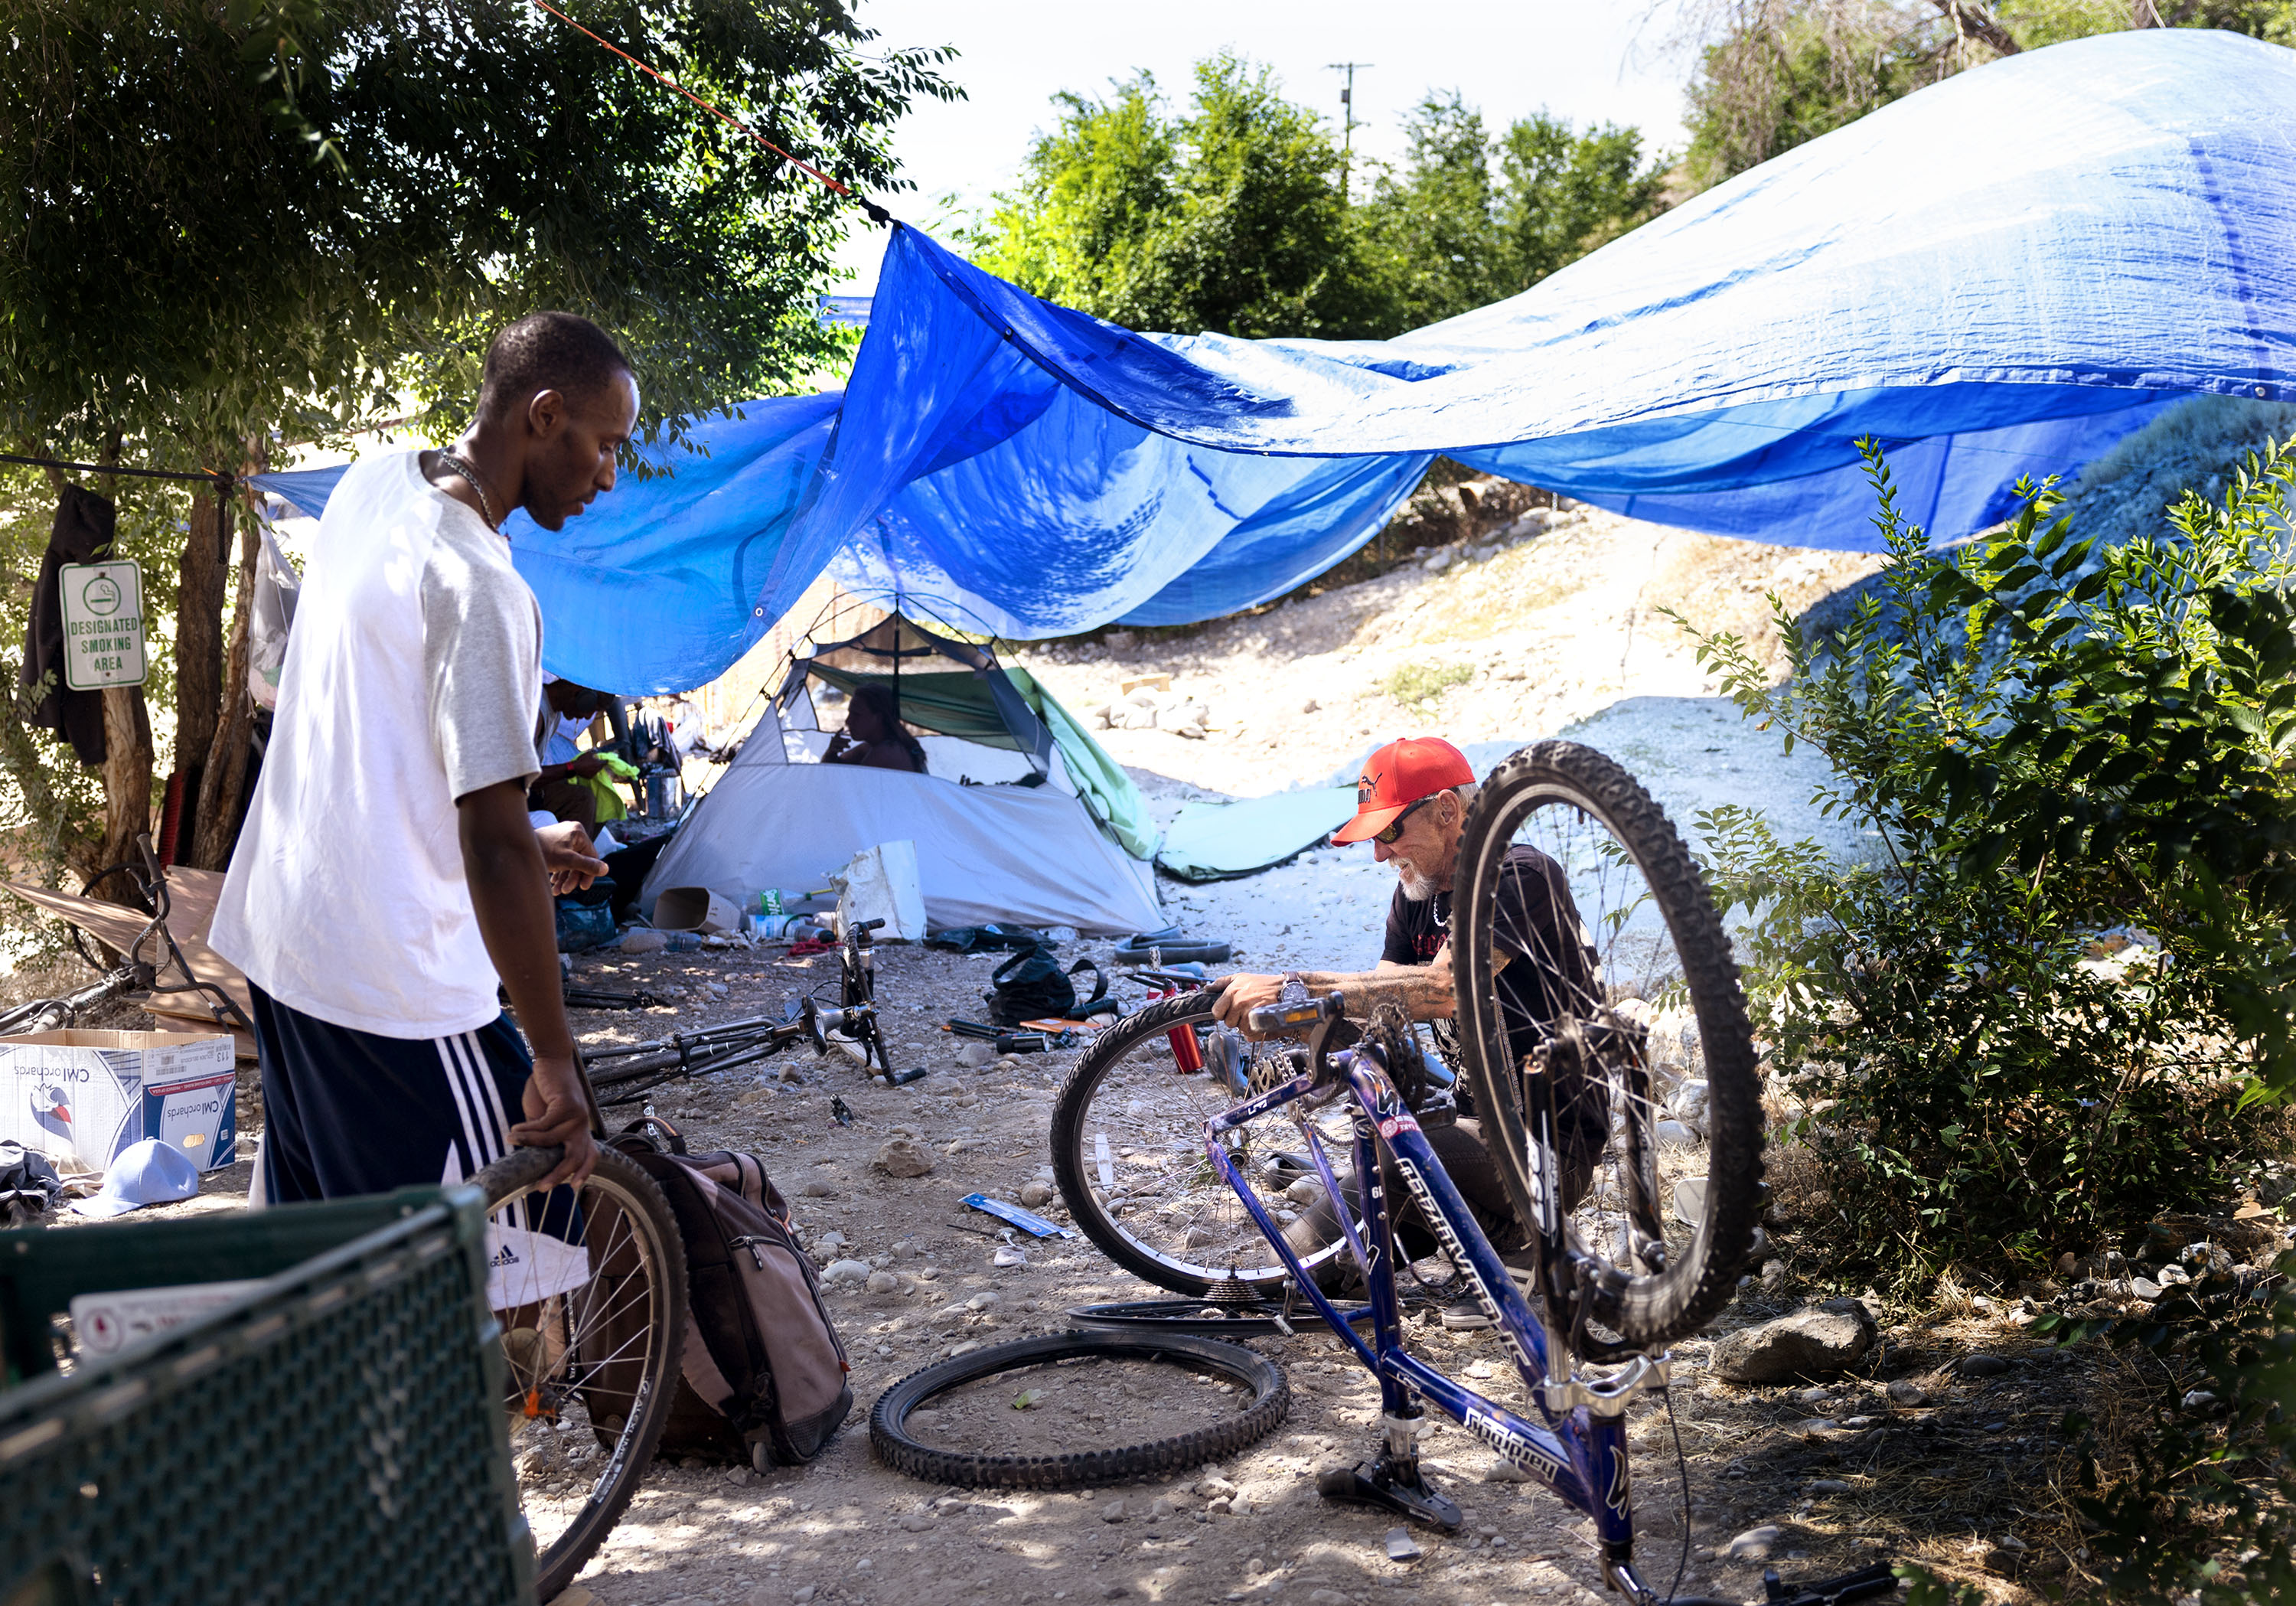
x=1394, y=831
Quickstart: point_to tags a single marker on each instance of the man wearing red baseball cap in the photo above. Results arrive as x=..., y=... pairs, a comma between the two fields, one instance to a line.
x=1411, y=801
x=1411, y=804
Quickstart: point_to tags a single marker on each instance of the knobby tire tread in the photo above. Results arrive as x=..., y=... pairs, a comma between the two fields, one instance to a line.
x=510, y=1178
x=1654, y=1310
x=889, y=1437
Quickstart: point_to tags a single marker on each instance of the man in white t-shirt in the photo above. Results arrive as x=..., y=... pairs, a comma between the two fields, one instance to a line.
x=387, y=876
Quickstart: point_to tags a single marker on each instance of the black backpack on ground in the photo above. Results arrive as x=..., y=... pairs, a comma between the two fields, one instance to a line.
x=1031, y=985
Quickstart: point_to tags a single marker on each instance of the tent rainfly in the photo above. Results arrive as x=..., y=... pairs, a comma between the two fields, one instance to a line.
x=1020, y=816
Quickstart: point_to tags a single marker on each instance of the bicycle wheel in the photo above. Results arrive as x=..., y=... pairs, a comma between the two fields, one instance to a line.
x=1592, y=970
x=1268, y=1400
x=592, y=1367
x=1128, y=1157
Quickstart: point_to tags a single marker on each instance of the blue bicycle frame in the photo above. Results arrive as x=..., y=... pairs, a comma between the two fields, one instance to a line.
x=1581, y=1453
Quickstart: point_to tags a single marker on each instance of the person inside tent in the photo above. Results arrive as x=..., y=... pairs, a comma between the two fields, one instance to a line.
x=563, y=790
x=875, y=735
x=1411, y=803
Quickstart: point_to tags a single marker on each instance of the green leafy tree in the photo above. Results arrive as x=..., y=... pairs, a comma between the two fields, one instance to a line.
x=1467, y=220
x=1232, y=217
x=1432, y=223
x=1563, y=193
x=1773, y=74
x=1227, y=218
x=257, y=220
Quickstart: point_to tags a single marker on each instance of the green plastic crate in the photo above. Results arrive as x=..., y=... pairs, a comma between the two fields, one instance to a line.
x=335, y=1435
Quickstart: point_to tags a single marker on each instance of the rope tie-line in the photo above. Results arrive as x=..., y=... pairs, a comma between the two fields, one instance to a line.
x=877, y=214
x=205, y=476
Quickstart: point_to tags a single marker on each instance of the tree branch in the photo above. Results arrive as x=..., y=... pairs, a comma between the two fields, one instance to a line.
x=1972, y=21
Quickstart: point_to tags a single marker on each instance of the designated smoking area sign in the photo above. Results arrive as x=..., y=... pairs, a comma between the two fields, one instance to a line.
x=103, y=624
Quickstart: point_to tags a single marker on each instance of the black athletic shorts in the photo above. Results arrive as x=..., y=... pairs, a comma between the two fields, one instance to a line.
x=348, y=1112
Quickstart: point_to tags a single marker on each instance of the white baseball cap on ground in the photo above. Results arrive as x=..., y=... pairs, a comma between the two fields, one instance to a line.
x=149, y=1173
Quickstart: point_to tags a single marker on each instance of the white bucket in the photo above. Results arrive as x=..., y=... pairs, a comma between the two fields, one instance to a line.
x=695, y=909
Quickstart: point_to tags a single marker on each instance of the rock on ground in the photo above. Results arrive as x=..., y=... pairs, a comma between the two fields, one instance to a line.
x=904, y=1157
x=1820, y=1341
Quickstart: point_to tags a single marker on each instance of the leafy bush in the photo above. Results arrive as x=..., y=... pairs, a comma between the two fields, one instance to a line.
x=2058, y=997
x=1417, y=685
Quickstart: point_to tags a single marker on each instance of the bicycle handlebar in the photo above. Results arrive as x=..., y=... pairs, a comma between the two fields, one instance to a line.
x=1277, y=1017
x=868, y=924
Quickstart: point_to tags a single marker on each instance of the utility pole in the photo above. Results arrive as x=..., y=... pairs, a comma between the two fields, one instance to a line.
x=1347, y=117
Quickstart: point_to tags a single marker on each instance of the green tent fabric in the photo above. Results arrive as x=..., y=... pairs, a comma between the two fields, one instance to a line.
x=1217, y=842
x=955, y=702
x=1099, y=781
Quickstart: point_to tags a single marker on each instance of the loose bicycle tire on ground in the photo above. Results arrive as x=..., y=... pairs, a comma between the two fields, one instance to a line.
x=888, y=1434
x=1652, y=1309
x=620, y=1181
x=1209, y=1318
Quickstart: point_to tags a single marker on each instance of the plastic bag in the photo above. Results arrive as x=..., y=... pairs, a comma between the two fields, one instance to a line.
x=276, y=587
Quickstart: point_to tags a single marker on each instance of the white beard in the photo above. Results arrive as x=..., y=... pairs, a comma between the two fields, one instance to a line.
x=1416, y=887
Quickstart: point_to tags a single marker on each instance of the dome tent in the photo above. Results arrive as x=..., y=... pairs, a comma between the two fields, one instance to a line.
x=1021, y=817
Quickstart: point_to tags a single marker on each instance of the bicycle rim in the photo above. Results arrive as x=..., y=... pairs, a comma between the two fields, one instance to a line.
x=1128, y=1157
x=1622, y=1005
x=589, y=1372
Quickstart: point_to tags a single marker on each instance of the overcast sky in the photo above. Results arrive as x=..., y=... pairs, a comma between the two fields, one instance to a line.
x=1611, y=61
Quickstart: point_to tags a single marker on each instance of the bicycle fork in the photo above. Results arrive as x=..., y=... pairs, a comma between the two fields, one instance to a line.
x=1581, y=1452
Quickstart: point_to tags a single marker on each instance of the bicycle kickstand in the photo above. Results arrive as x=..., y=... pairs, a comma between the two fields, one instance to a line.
x=1392, y=1481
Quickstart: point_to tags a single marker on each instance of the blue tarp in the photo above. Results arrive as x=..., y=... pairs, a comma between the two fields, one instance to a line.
x=1998, y=275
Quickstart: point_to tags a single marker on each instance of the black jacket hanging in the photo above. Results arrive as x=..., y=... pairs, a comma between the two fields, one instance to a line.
x=85, y=523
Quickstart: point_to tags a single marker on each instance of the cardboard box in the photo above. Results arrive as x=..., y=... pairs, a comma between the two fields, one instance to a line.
x=84, y=1095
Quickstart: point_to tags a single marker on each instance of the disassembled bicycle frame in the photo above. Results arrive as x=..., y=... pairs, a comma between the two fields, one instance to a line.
x=1581, y=1452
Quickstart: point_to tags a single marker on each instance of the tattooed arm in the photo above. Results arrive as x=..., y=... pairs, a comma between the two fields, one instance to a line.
x=1424, y=990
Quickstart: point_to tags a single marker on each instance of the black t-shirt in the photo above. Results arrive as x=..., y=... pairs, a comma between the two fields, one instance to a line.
x=1535, y=923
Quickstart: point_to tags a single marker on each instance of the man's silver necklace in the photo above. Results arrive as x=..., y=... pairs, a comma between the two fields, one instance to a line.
x=469, y=471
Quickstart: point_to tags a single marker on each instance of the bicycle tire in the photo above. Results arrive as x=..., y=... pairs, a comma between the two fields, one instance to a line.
x=618, y=1187
x=1084, y=1469
x=1650, y=1309
x=1093, y=1215
x=1209, y=1318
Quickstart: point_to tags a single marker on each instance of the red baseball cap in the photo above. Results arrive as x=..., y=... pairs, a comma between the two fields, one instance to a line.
x=1400, y=775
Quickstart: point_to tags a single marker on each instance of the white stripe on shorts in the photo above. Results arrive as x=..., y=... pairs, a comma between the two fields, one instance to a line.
x=474, y=1153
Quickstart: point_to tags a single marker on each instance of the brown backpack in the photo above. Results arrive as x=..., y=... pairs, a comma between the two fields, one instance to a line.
x=764, y=1373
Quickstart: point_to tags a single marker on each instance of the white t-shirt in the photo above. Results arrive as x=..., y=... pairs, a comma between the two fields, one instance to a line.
x=411, y=678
